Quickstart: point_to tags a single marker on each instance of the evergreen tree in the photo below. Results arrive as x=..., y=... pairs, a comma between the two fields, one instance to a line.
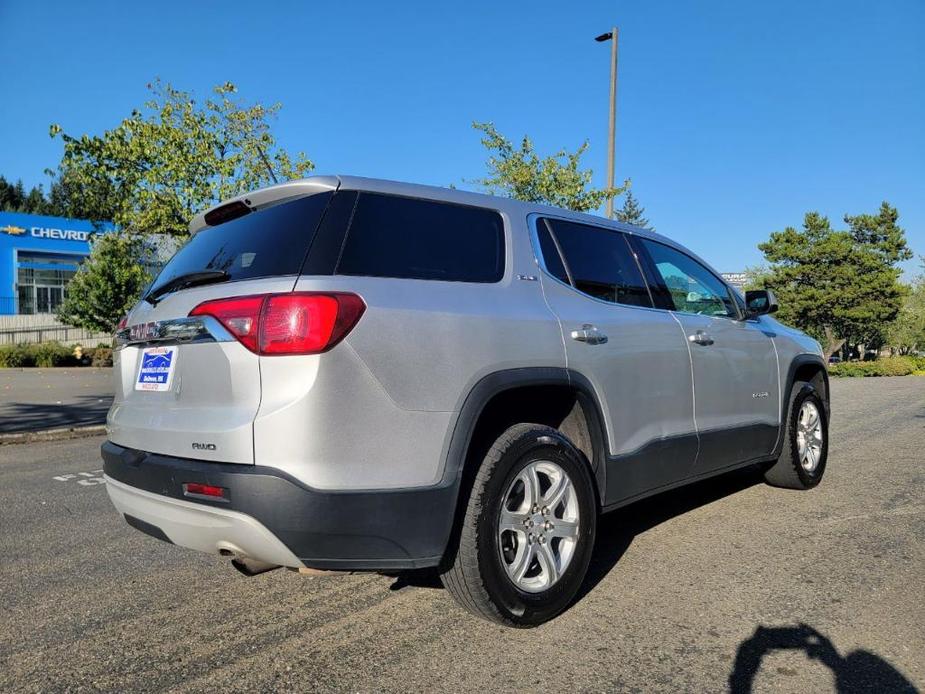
x=632, y=212
x=14, y=198
x=840, y=286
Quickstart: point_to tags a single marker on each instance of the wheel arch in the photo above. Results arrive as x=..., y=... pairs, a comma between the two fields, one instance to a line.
x=557, y=397
x=811, y=369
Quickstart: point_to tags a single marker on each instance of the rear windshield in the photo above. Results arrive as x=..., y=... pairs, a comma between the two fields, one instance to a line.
x=269, y=242
x=391, y=236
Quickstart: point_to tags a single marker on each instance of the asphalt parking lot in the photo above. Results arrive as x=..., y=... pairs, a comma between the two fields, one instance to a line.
x=41, y=399
x=726, y=585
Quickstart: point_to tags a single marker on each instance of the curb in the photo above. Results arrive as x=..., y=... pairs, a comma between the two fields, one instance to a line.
x=61, y=434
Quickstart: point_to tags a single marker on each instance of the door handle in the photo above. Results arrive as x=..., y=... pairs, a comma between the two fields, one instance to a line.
x=589, y=334
x=700, y=338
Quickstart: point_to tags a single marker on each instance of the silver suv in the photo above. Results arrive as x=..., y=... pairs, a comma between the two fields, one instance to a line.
x=351, y=374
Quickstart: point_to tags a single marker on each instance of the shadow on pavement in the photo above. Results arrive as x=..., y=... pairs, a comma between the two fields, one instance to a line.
x=859, y=671
x=83, y=410
x=616, y=530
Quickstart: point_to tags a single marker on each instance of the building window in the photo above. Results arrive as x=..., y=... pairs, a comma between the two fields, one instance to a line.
x=42, y=281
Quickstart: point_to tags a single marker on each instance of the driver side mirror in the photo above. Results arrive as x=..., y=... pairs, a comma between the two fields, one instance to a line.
x=759, y=302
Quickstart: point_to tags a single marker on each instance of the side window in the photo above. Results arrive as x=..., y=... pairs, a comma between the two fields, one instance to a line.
x=692, y=288
x=325, y=249
x=551, y=257
x=392, y=236
x=599, y=262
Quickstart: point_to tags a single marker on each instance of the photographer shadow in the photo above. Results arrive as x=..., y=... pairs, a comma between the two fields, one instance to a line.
x=859, y=671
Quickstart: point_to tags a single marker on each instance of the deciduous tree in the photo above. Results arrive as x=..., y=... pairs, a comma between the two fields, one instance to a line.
x=108, y=283
x=907, y=334
x=556, y=179
x=171, y=159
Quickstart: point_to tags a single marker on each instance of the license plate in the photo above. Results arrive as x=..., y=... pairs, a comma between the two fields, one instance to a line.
x=156, y=369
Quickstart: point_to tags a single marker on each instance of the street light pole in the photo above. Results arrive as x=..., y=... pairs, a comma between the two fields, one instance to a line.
x=612, y=36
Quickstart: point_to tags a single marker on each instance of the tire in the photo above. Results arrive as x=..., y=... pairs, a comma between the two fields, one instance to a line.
x=481, y=571
x=793, y=470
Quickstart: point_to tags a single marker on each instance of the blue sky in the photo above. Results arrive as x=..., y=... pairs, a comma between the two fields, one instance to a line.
x=734, y=118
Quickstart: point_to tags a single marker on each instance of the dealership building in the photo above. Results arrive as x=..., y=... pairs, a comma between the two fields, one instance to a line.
x=736, y=279
x=38, y=256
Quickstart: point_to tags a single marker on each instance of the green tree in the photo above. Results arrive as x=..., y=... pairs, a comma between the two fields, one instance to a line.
x=108, y=283
x=171, y=159
x=14, y=198
x=523, y=174
x=842, y=286
x=632, y=212
x=907, y=334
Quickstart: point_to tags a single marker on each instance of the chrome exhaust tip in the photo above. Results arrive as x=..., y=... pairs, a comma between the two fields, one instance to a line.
x=252, y=567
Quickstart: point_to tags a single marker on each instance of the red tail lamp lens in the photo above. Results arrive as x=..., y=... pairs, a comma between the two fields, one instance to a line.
x=297, y=323
x=203, y=490
x=240, y=315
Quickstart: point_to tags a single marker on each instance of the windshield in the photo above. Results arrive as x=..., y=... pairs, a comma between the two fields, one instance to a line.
x=266, y=243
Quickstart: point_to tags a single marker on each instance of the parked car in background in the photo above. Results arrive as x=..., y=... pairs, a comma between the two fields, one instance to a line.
x=352, y=374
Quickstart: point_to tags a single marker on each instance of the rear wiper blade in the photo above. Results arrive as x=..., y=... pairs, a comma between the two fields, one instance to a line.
x=187, y=280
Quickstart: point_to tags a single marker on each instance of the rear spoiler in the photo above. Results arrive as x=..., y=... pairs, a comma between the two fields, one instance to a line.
x=258, y=199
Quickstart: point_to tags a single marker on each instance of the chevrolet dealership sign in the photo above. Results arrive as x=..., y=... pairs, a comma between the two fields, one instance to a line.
x=35, y=242
x=48, y=233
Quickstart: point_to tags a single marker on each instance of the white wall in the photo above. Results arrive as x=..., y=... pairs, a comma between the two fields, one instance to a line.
x=46, y=328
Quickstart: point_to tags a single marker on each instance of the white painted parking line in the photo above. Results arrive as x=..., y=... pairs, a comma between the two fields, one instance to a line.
x=85, y=479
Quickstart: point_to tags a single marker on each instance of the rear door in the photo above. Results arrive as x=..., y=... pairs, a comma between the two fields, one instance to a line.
x=634, y=355
x=185, y=386
x=734, y=362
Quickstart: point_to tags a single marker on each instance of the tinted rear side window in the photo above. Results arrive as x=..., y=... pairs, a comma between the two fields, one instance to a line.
x=392, y=236
x=329, y=239
x=600, y=263
x=265, y=243
x=551, y=257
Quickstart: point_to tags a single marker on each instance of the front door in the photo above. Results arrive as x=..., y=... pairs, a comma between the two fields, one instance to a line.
x=48, y=298
x=736, y=381
x=634, y=355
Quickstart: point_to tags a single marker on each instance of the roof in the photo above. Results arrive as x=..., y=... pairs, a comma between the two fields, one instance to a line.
x=509, y=206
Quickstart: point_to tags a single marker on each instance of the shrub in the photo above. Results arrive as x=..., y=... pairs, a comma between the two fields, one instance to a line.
x=99, y=356
x=919, y=365
x=15, y=356
x=47, y=354
x=889, y=366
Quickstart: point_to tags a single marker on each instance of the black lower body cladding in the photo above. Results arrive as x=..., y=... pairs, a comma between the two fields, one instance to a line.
x=375, y=530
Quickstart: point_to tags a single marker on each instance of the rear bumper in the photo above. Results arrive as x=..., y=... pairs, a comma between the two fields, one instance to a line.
x=271, y=517
x=191, y=525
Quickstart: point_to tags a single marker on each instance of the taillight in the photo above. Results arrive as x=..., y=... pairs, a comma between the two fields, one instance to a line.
x=240, y=314
x=297, y=323
x=122, y=323
x=209, y=491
